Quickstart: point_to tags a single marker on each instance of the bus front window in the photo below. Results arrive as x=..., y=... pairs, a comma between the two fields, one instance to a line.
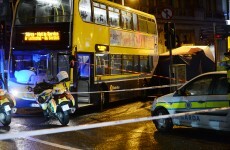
x=30, y=69
x=43, y=11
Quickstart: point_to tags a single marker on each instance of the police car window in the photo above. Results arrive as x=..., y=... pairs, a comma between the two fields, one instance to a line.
x=199, y=87
x=221, y=86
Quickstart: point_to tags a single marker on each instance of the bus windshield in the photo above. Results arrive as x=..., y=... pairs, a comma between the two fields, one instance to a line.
x=32, y=68
x=43, y=11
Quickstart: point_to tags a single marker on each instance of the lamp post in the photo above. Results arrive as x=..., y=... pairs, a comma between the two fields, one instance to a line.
x=123, y=2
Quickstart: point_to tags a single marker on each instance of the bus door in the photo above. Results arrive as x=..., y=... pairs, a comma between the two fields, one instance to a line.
x=63, y=62
x=83, y=78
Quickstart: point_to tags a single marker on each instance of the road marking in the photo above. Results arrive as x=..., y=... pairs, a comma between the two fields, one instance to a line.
x=132, y=136
x=51, y=144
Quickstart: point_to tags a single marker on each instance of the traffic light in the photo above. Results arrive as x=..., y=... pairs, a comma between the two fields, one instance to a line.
x=167, y=35
x=170, y=35
x=173, y=34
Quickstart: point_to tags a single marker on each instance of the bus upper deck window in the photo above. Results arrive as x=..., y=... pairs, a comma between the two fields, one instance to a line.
x=151, y=27
x=25, y=13
x=85, y=10
x=126, y=20
x=42, y=11
x=114, y=17
x=100, y=15
x=142, y=24
x=135, y=25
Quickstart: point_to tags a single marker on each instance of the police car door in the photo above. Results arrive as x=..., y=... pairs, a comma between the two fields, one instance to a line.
x=219, y=98
x=196, y=94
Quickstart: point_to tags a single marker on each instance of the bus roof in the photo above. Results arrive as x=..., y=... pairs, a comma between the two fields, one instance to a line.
x=126, y=8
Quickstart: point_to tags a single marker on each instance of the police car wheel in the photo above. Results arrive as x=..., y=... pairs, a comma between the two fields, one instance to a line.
x=163, y=125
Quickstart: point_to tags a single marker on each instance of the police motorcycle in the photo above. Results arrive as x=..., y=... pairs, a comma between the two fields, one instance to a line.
x=7, y=102
x=55, y=100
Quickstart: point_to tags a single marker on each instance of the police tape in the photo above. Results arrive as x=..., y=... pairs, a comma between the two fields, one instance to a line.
x=123, y=90
x=25, y=134
x=128, y=90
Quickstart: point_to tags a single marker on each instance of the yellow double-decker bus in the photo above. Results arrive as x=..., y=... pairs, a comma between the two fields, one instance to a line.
x=102, y=45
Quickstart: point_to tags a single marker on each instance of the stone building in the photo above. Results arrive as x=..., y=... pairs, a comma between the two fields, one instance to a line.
x=197, y=22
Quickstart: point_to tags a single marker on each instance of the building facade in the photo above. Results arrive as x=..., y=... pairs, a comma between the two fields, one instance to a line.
x=197, y=22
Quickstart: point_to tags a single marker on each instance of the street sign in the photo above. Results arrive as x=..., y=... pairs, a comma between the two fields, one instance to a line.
x=166, y=13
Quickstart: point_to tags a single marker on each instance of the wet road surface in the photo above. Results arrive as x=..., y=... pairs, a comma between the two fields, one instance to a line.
x=141, y=135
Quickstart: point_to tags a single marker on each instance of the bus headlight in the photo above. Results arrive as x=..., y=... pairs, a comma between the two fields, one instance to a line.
x=14, y=92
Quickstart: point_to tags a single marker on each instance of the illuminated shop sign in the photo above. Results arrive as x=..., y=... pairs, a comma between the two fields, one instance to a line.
x=42, y=36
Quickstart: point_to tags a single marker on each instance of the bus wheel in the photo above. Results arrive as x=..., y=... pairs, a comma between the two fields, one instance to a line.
x=104, y=97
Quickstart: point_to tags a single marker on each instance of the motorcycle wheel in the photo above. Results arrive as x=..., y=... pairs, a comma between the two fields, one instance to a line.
x=63, y=118
x=7, y=119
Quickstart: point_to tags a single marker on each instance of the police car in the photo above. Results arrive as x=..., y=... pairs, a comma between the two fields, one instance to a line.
x=206, y=91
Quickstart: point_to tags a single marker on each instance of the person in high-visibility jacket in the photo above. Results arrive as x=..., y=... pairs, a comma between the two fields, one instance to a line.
x=225, y=64
x=61, y=88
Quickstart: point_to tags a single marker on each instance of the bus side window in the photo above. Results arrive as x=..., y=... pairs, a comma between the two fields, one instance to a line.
x=115, y=64
x=85, y=10
x=151, y=27
x=114, y=17
x=142, y=24
x=135, y=25
x=127, y=63
x=102, y=64
x=144, y=64
x=136, y=65
x=126, y=20
x=100, y=15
